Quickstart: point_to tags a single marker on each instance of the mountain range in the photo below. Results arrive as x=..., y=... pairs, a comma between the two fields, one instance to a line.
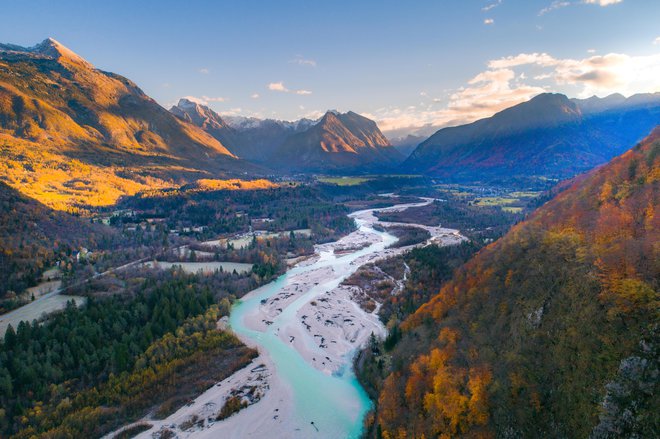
x=337, y=142
x=74, y=135
x=549, y=135
x=249, y=138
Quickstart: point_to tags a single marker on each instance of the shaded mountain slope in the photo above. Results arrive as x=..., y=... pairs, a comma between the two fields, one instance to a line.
x=549, y=136
x=258, y=139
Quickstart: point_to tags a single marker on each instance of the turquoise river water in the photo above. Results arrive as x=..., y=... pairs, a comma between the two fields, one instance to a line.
x=335, y=404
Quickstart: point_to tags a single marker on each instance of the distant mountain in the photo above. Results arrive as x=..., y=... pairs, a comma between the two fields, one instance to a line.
x=552, y=331
x=549, y=136
x=248, y=138
x=595, y=104
x=241, y=123
x=208, y=120
x=258, y=139
x=71, y=134
x=339, y=142
x=335, y=143
x=406, y=145
x=616, y=101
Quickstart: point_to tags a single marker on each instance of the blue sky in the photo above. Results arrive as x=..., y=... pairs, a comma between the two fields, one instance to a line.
x=405, y=63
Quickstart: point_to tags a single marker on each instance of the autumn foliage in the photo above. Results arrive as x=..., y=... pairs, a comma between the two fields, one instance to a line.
x=525, y=339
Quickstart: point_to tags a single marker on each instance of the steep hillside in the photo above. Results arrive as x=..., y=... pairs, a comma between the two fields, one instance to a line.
x=33, y=237
x=338, y=143
x=552, y=331
x=71, y=134
x=548, y=136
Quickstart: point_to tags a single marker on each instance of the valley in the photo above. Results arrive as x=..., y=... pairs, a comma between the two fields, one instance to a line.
x=346, y=220
x=307, y=328
x=323, y=257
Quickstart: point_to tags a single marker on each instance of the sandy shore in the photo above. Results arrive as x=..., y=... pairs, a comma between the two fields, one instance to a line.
x=266, y=413
x=322, y=323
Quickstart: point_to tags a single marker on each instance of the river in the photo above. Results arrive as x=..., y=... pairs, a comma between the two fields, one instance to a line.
x=336, y=403
x=307, y=329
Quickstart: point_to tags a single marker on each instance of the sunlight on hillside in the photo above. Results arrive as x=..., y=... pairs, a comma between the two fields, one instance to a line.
x=234, y=184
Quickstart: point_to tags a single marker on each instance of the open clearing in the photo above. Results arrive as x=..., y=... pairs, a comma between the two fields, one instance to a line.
x=204, y=267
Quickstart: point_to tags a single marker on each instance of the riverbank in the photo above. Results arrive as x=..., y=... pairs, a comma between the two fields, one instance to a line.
x=307, y=328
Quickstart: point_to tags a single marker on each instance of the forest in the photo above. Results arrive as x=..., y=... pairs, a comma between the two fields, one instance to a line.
x=549, y=332
x=130, y=352
x=484, y=223
x=33, y=237
x=225, y=212
x=146, y=340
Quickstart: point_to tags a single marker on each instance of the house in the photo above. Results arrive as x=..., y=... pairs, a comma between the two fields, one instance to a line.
x=82, y=254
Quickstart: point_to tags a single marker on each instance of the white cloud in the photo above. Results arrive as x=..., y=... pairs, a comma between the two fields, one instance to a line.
x=656, y=42
x=603, y=2
x=485, y=94
x=491, y=6
x=302, y=61
x=489, y=21
x=591, y=50
x=204, y=71
x=489, y=92
x=613, y=72
x=556, y=4
x=521, y=59
x=255, y=96
x=542, y=76
x=279, y=87
x=205, y=100
x=510, y=80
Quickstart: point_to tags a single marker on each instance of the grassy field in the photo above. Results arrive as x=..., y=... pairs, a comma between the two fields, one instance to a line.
x=205, y=267
x=510, y=209
x=525, y=194
x=344, y=181
x=348, y=180
x=495, y=201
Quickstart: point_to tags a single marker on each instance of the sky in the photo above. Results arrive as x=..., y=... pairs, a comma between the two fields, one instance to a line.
x=413, y=66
